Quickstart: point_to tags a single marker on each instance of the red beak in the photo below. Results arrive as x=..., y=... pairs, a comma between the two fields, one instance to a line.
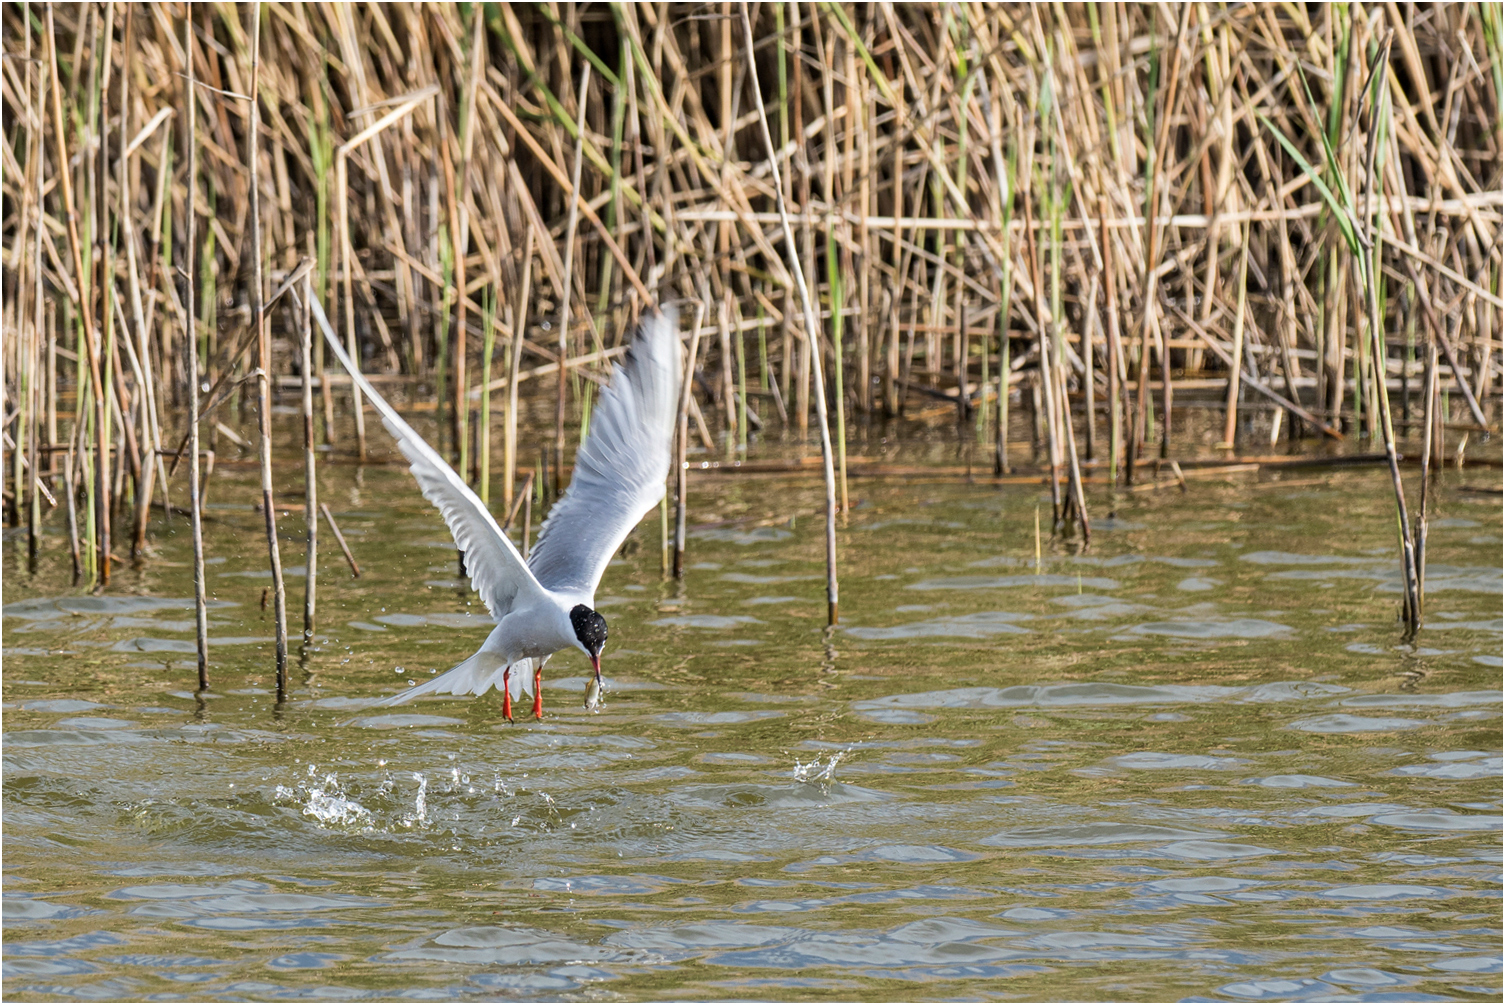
x=596, y=664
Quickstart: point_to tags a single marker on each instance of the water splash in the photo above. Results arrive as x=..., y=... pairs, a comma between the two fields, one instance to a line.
x=334, y=807
x=420, y=815
x=325, y=801
x=813, y=772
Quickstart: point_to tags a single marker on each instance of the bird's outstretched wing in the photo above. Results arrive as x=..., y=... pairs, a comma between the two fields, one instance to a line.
x=497, y=571
x=620, y=469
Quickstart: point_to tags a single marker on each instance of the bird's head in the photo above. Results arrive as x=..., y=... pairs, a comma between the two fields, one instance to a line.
x=590, y=633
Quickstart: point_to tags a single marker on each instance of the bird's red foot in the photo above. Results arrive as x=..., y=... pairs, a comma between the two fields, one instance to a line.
x=538, y=693
x=507, y=694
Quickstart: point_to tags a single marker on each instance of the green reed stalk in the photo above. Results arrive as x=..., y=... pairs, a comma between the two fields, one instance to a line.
x=208, y=295
x=514, y=357
x=586, y=394
x=837, y=297
x=107, y=431
x=321, y=154
x=1362, y=247
x=91, y=509
x=83, y=412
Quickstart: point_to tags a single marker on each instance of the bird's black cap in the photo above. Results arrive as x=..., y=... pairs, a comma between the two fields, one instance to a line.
x=590, y=628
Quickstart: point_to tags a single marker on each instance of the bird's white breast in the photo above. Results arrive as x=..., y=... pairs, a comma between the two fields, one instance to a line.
x=536, y=631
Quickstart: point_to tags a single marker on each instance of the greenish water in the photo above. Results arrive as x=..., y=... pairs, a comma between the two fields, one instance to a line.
x=1195, y=763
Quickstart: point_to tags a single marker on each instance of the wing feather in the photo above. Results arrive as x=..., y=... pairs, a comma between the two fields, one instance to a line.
x=620, y=469
x=496, y=570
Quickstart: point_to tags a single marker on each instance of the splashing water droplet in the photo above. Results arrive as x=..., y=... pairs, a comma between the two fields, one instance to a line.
x=420, y=802
x=815, y=773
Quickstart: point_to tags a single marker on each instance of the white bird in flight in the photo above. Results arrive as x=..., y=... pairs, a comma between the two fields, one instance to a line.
x=547, y=603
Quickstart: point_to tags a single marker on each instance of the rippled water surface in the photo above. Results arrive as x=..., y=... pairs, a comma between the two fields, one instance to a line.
x=1193, y=763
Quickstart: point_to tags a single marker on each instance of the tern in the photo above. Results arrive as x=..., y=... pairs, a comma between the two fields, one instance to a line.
x=547, y=603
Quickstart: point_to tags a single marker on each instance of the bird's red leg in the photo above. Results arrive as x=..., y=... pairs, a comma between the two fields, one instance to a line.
x=538, y=693
x=507, y=694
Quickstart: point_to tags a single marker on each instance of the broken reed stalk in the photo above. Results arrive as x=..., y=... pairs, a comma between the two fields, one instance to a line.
x=355, y=570
x=517, y=503
x=812, y=328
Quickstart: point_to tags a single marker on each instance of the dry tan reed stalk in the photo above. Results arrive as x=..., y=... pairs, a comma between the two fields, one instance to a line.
x=811, y=337
x=195, y=487
x=566, y=290
x=908, y=151
x=681, y=442
x=302, y=300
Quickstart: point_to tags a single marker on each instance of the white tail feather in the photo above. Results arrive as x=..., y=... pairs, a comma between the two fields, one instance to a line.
x=477, y=675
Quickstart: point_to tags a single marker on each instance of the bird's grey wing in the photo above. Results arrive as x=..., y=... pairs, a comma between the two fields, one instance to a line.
x=621, y=467
x=496, y=570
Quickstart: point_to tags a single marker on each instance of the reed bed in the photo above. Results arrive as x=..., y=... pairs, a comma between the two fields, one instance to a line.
x=1084, y=217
